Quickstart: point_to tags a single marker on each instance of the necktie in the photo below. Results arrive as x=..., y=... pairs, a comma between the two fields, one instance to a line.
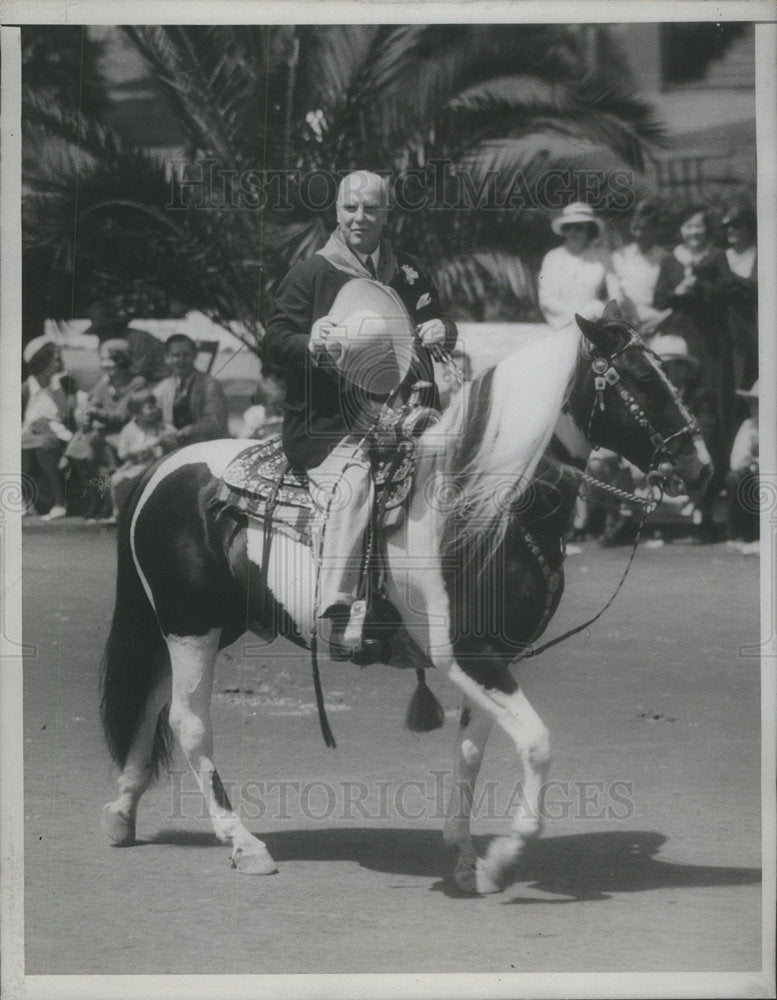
x=370, y=266
x=181, y=412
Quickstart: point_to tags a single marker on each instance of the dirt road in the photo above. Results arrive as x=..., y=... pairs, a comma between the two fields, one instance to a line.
x=651, y=852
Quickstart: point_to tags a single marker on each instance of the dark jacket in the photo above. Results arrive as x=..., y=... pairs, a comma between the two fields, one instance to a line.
x=701, y=317
x=207, y=406
x=320, y=408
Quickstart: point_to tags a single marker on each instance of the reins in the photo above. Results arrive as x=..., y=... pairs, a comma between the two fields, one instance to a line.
x=648, y=506
x=605, y=374
x=326, y=729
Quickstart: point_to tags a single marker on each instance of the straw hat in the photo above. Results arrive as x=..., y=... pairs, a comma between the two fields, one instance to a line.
x=373, y=339
x=671, y=347
x=751, y=393
x=577, y=212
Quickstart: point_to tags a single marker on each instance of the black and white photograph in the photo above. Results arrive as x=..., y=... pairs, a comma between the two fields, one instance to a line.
x=389, y=524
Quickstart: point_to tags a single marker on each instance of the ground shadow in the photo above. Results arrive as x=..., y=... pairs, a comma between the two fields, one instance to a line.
x=585, y=866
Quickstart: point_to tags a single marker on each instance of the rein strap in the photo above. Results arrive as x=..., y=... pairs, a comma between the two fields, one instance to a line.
x=536, y=651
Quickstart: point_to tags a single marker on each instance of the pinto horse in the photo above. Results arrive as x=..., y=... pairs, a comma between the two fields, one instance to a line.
x=474, y=571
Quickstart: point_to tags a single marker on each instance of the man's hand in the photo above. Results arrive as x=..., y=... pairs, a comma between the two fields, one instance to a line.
x=688, y=282
x=431, y=332
x=320, y=352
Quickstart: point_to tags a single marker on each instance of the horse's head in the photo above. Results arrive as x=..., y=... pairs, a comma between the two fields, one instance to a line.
x=622, y=399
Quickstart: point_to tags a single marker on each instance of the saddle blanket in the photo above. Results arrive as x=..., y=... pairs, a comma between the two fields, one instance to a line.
x=251, y=480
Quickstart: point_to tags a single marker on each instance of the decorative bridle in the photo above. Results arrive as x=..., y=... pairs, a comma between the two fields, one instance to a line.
x=606, y=375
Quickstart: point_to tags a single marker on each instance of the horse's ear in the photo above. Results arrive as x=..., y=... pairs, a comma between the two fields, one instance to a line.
x=604, y=337
x=589, y=327
x=612, y=312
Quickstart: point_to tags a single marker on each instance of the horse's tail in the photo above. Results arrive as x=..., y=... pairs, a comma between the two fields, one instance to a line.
x=135, y=656
x=424, y=713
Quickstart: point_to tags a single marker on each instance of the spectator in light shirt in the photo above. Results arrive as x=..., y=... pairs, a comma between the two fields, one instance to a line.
x=575, y=277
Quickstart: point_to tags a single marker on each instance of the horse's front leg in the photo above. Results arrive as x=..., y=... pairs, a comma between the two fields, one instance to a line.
x=513, y=712
x=192, y=658
x=474, y=727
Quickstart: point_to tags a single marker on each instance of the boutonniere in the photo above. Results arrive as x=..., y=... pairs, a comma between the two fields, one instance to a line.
x=411, y=275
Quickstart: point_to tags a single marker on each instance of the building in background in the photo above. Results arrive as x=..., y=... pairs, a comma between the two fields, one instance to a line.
x=701, y=79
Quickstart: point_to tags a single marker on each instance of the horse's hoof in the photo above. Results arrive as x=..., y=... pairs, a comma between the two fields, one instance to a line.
x=484, y=884
x=476, y=880
x=119, y=827
x=253, y=862
x=500, y=860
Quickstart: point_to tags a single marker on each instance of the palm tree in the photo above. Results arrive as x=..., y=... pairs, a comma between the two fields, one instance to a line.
x=464, y=114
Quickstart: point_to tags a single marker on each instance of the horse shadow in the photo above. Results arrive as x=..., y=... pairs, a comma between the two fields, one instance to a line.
x=580, y=867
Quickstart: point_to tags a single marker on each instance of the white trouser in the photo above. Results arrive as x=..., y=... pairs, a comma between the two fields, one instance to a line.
x=342, y=490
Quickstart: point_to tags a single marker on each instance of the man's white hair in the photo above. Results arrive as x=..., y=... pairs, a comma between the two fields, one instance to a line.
x=360, y=180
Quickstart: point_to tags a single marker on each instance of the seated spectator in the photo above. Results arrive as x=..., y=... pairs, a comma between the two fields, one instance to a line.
x=92, y=452
x=636, y=269
x=46, y=408
x=265, y=418
x=191, y=401
x=742, y=479
x=147, y=352
x=614, y=523
x=139, y=444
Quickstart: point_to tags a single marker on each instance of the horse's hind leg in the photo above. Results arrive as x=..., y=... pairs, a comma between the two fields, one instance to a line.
x=474, y=727
x=192, y=658
x=118, y=818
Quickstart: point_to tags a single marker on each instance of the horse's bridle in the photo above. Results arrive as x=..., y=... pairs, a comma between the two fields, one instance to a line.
x=606, y=374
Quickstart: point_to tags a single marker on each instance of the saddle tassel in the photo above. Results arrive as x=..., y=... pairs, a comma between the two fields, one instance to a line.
x=424, y=713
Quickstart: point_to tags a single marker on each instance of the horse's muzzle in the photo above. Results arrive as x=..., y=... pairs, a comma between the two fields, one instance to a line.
x=690, y=472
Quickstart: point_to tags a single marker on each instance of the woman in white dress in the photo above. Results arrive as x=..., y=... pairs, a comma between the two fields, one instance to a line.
x=574, y=277
x=636, y=268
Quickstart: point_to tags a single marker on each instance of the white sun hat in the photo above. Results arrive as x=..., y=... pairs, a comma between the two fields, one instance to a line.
x=577, y=212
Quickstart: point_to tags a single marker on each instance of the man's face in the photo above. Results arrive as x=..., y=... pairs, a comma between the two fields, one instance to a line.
x=362, y=211
x=180, y=358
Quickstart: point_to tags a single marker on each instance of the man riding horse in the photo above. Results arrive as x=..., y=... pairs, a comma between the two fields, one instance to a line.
x=326, y=415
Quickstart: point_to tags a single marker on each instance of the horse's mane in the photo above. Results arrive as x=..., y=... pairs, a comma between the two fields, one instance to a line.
x=494, y=434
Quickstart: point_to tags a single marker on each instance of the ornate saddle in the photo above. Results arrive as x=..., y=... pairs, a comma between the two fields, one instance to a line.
x=260, y=476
